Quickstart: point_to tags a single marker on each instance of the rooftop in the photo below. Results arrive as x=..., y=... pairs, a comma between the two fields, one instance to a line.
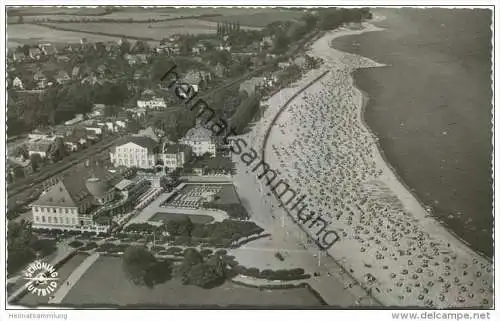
x=72, y=190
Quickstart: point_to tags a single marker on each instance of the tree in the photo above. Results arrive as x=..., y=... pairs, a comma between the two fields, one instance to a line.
x=36, y=161
x=19, y=238
x=18, y=172
x=21, y=151
x=191, y=258
x=125, y=46
x=141, y=47
x=137, y=261
x=310, y=20
x=58, y=150
x=206, y=274
x=10, y=178
x=280, y=43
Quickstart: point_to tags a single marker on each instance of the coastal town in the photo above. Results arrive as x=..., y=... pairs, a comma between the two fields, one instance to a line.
x=121, y=187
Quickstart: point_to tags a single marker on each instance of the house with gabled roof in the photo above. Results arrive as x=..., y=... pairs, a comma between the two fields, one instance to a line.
x=40, y=79
x=62, y=77
x=75, y=72
x=40, y=147
x=48, y=50
x=76, y=201
x=200, y=139
x=17, y=83
x=18, y=56
x=35, y=53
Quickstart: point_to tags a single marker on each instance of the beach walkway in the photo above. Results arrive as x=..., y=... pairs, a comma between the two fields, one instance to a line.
x=68, y=284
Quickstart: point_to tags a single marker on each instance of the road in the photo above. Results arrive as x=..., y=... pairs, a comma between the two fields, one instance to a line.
x=67, y=284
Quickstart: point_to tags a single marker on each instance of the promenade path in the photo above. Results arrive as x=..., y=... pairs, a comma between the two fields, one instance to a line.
x=68, y=284
x=207, y=179
x=335, y=285
x=63, y=251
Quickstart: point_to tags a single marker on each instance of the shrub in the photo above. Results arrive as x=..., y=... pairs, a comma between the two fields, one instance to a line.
x=279, y=256
x=75, y=244
x=221, y=252
x=206, y=252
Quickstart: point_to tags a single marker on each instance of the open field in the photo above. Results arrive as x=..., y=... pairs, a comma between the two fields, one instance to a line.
x=19, y=34
x=166, y=217
x=246, y=16
x=64, y=272
x=31, y=11
x=105, y=284
x=150, y=31
x=259, y=19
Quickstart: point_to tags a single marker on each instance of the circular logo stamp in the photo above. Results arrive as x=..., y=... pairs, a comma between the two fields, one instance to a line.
x=42, y=278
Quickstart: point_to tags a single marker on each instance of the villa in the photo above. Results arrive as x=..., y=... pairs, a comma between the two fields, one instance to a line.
x=201, y=141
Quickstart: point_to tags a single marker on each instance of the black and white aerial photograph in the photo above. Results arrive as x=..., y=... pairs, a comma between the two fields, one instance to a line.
x=246, y=157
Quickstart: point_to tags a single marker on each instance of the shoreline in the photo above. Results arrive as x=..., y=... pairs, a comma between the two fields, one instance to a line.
x=427, y=229
x=366, y=99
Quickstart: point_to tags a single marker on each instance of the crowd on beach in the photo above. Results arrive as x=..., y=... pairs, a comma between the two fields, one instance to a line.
x=403, y=256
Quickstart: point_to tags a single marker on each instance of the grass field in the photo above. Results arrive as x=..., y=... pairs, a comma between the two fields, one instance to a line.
x=259, y=19
x=31, y=11
x=104, y=283
x=31, y=14
x=32, y=34
x=166, y=217
x=18, y=34
x=64, y=272
x=157, y=31
x=227, y=195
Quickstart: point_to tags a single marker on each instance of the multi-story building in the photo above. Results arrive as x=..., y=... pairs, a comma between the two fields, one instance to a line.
x=72, y=203
x=86, y=201
x=201, y=140
x=135, y=151
x=40, y=147
x=175, y=155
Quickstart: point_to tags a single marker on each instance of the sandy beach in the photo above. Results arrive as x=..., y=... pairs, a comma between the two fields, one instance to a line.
x=389, y=243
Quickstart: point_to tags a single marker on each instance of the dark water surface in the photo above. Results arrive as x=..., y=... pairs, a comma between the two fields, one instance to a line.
x=432, y=110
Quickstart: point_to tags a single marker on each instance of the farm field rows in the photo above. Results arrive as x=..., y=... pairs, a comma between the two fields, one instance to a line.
x=158, y=30
x=258, y=19
x=18, y=34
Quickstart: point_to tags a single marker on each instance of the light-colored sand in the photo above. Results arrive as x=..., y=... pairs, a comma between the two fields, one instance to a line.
x=388, y=241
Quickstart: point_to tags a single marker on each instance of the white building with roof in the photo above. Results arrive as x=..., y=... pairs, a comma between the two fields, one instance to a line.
x=153, y=103
x=73, y=202
x=135, y=151
x=200, y=140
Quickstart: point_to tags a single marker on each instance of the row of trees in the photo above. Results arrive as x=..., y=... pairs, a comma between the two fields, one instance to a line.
x=142, y=268
x=282, y=275
x=226, y=28
x=245, y=113
x=332, y=18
